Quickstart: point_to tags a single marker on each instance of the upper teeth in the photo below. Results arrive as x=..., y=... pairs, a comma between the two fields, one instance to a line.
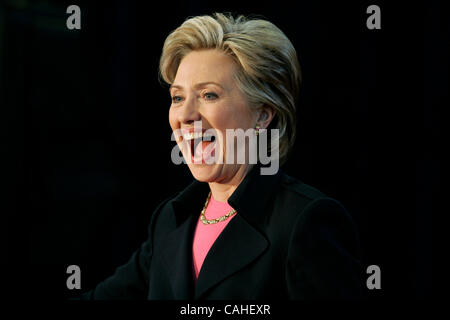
x=195, y=135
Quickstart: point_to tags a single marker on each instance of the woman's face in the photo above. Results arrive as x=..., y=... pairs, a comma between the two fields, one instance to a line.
x=204, y=90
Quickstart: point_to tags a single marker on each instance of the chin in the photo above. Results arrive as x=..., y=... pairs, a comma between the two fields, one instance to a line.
x=204, y=172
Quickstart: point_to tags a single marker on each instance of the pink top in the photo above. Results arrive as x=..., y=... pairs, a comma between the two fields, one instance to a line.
x=206, y=234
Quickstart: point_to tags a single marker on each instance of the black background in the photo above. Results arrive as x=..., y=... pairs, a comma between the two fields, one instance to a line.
x=86, y=152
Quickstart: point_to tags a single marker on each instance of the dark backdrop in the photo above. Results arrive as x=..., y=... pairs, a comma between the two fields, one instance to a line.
x=86, y=152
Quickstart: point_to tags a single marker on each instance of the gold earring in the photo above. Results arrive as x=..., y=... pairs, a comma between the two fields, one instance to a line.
x=257, y=129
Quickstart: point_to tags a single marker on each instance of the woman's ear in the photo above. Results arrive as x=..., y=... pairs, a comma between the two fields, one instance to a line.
x=265, y=116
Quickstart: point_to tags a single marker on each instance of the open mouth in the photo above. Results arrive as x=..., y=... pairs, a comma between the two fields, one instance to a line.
x=201, y=146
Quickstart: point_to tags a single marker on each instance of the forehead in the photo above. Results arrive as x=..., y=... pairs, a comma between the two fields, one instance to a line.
x=205, y=66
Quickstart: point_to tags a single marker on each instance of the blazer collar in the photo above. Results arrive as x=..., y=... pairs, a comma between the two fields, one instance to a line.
x=252, y=196
x=249, y=199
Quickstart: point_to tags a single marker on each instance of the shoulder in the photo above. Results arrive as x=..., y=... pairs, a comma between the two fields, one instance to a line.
x=297, y=196
x=298, y=188
x=323, y=254
x=309, y=208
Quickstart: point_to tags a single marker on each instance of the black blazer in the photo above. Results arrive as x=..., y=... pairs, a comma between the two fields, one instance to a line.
x=287, y=241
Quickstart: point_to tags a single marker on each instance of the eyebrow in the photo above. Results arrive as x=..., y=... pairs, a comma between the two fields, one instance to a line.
x=197, y=86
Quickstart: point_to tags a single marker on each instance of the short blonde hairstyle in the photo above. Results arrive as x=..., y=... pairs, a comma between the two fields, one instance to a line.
x=268, y=69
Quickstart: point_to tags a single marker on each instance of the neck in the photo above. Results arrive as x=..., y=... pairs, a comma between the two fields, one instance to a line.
x=221, y=191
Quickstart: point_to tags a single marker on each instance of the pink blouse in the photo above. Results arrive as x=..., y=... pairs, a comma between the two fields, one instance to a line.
x=206, y=234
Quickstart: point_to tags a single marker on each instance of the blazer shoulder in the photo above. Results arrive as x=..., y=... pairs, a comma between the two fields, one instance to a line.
x=300, y=188
x=315, y=213
x=303, y=201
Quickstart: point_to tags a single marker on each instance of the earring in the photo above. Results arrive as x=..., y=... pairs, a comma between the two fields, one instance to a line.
x=257, y=127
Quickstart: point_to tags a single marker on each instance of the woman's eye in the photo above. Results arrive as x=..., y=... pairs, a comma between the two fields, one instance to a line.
x=176, y=99
x=210, y=96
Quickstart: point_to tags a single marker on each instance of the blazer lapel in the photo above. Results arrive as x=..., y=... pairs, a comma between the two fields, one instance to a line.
x=177, y=255
x=177, y=245
x=238, y=245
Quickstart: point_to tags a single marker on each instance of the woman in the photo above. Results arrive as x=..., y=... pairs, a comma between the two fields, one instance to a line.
x=236, y=233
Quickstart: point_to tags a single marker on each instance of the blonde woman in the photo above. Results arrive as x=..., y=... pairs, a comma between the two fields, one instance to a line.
x=237, y=232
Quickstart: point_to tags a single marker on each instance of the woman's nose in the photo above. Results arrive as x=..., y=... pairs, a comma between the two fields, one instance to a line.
x=189, y=112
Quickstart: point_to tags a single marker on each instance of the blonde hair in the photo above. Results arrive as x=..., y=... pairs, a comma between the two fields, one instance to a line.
x=268, y=69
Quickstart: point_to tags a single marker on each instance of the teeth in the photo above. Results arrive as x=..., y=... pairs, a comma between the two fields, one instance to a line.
x=195, y=135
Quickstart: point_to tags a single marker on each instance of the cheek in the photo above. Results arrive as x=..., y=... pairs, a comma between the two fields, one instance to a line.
x=238, y=117
x=229, y=115
x=220, y=122
x=172, y=119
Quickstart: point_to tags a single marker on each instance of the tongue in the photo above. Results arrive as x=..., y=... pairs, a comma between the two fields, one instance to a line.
x=201, y=152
